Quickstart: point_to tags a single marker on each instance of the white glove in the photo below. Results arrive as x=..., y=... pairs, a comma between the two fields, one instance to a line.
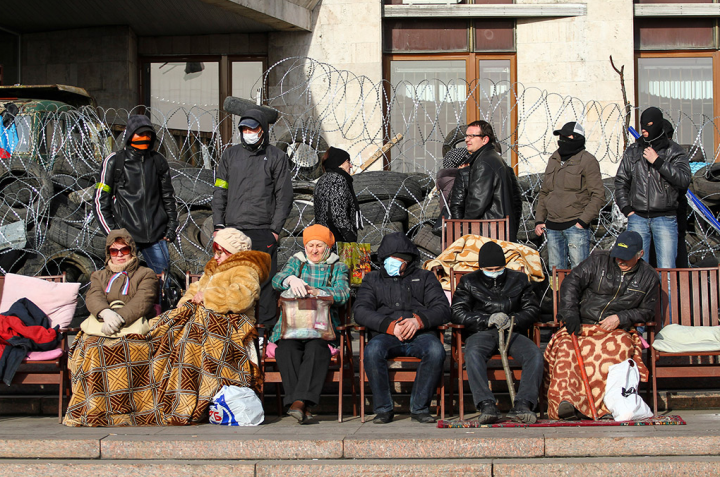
x=112, y=321
x=297, y=285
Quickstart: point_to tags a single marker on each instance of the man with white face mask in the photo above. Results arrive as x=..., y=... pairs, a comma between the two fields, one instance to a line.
x=253, y=194
x=483, y=302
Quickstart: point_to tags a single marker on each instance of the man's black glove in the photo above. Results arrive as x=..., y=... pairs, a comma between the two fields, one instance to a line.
x=170, y=235
x=572, y=325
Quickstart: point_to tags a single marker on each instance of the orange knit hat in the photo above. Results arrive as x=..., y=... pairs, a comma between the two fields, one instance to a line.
x=318, y=232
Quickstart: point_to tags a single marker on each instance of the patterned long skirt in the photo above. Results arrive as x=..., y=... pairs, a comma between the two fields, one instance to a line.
x=600, y=350
x=167, y=377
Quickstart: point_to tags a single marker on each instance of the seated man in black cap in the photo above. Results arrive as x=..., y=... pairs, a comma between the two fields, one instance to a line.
x=483, y=302
x=617, y=289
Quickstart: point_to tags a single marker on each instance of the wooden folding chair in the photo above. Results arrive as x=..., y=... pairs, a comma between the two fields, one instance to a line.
x=399, y=375
x=688, y=297
x=53, y=371
x=455, y=228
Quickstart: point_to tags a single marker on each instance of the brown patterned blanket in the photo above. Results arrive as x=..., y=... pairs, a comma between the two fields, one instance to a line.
x=168, y=377
x=599, y=350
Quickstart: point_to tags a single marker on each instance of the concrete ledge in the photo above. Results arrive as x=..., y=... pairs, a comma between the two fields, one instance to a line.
x=631, y=445
x=49, y=448
x=399, y=468
x=630, y=467
x=438, y=448
x=33, y=468
x=222, y=447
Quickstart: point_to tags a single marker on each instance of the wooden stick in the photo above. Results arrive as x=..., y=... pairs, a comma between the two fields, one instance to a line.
x=503, y=346
x=381, y=152
x=583, y=374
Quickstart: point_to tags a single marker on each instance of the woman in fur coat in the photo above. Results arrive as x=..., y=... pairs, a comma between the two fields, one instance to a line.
x=231, y=282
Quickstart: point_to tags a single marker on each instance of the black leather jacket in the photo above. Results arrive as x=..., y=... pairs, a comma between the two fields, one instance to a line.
x=651, y=190
x=479, y=296
x=143, y=202
x=597, y=288
x=485, y=190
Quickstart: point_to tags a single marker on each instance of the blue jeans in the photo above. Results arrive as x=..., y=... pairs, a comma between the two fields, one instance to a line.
x=480, y=346
x=572, y=241
x=156, y=255
x=664, y=232
x=425, y=346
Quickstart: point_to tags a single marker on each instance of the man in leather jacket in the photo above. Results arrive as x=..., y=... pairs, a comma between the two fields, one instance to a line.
x=485, y=190
x=614, y=289
x=648, y=182
x=402, y=305
x=135, y=193
x=483, y=302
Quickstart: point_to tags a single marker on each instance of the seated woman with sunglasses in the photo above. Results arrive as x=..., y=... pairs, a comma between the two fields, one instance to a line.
x=170, y=375
x=304, y=364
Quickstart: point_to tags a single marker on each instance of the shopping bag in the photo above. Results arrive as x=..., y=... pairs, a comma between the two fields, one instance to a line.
x=306, y=318
x=236, y=406
x=621, y=393
x=357, y=258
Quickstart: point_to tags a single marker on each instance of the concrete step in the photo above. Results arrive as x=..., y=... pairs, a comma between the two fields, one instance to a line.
x=587, y=467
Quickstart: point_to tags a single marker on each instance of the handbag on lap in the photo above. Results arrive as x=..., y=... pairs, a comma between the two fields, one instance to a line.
x=307, y=318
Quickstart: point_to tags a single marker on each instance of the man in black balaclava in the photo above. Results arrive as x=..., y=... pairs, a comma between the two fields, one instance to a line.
x=653, y=172
x=571, y=196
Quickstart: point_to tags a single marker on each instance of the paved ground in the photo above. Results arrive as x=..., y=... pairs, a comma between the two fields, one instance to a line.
x=283, y=447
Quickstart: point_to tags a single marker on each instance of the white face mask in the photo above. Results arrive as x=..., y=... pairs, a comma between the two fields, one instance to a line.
x=251, y=138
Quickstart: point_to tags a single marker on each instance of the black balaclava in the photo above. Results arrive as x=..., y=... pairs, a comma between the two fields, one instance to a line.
x=656, y=135
x=567, y=147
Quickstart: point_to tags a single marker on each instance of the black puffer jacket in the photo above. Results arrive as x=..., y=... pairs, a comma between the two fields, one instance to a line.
x=651, y=190
x=597, y=288
x=252, y=185
x=479, y=296
x=143, y=202
x=485, y=190
x=382, y=299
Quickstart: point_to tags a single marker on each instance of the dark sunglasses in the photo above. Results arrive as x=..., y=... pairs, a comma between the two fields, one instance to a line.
x=475, y=135
x=114, y=252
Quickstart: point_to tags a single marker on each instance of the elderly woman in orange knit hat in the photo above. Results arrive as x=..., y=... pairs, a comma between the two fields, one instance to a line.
x=304, y=364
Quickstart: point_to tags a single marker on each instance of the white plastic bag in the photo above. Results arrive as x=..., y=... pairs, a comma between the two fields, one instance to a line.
x=621, y=393
x=236, y=406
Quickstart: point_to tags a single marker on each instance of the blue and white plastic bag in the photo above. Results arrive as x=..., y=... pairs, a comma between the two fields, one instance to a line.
x=236, y=406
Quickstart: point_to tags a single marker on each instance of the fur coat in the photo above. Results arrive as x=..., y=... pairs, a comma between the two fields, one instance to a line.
x=234, y=285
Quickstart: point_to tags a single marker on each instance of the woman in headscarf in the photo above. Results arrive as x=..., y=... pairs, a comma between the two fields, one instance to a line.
x=336, y=205
x=124, y=280
x=169, y=375
x=304, y=364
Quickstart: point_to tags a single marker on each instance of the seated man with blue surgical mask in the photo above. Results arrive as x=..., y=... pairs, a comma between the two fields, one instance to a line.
x=402, y=305
x=483, y=302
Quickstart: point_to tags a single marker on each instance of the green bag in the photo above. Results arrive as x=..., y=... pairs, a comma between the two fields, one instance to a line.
x=357, y=258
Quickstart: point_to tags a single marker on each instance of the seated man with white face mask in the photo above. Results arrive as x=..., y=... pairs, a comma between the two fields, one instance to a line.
x=483, y=302
x=402, y=305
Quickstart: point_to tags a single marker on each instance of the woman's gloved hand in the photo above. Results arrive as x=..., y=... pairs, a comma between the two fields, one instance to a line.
x=112, y=321
x=298, y=286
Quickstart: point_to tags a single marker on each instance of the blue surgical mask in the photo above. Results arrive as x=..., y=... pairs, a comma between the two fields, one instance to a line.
x=493, y=274
x=392, y=266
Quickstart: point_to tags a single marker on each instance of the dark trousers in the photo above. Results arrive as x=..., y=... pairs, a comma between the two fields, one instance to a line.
x=264, y=241
x=303, y=367
x=480, y=346
x=425, y=346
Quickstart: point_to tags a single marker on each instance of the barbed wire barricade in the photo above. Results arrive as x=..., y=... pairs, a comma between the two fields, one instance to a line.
x=47, y=185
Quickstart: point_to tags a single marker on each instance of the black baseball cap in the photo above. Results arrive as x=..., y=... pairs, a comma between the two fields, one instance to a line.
x=627, y=245
x=248, y=122
x=571, y=128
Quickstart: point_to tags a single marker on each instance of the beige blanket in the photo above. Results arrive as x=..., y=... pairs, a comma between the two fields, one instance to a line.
x=462, y=255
